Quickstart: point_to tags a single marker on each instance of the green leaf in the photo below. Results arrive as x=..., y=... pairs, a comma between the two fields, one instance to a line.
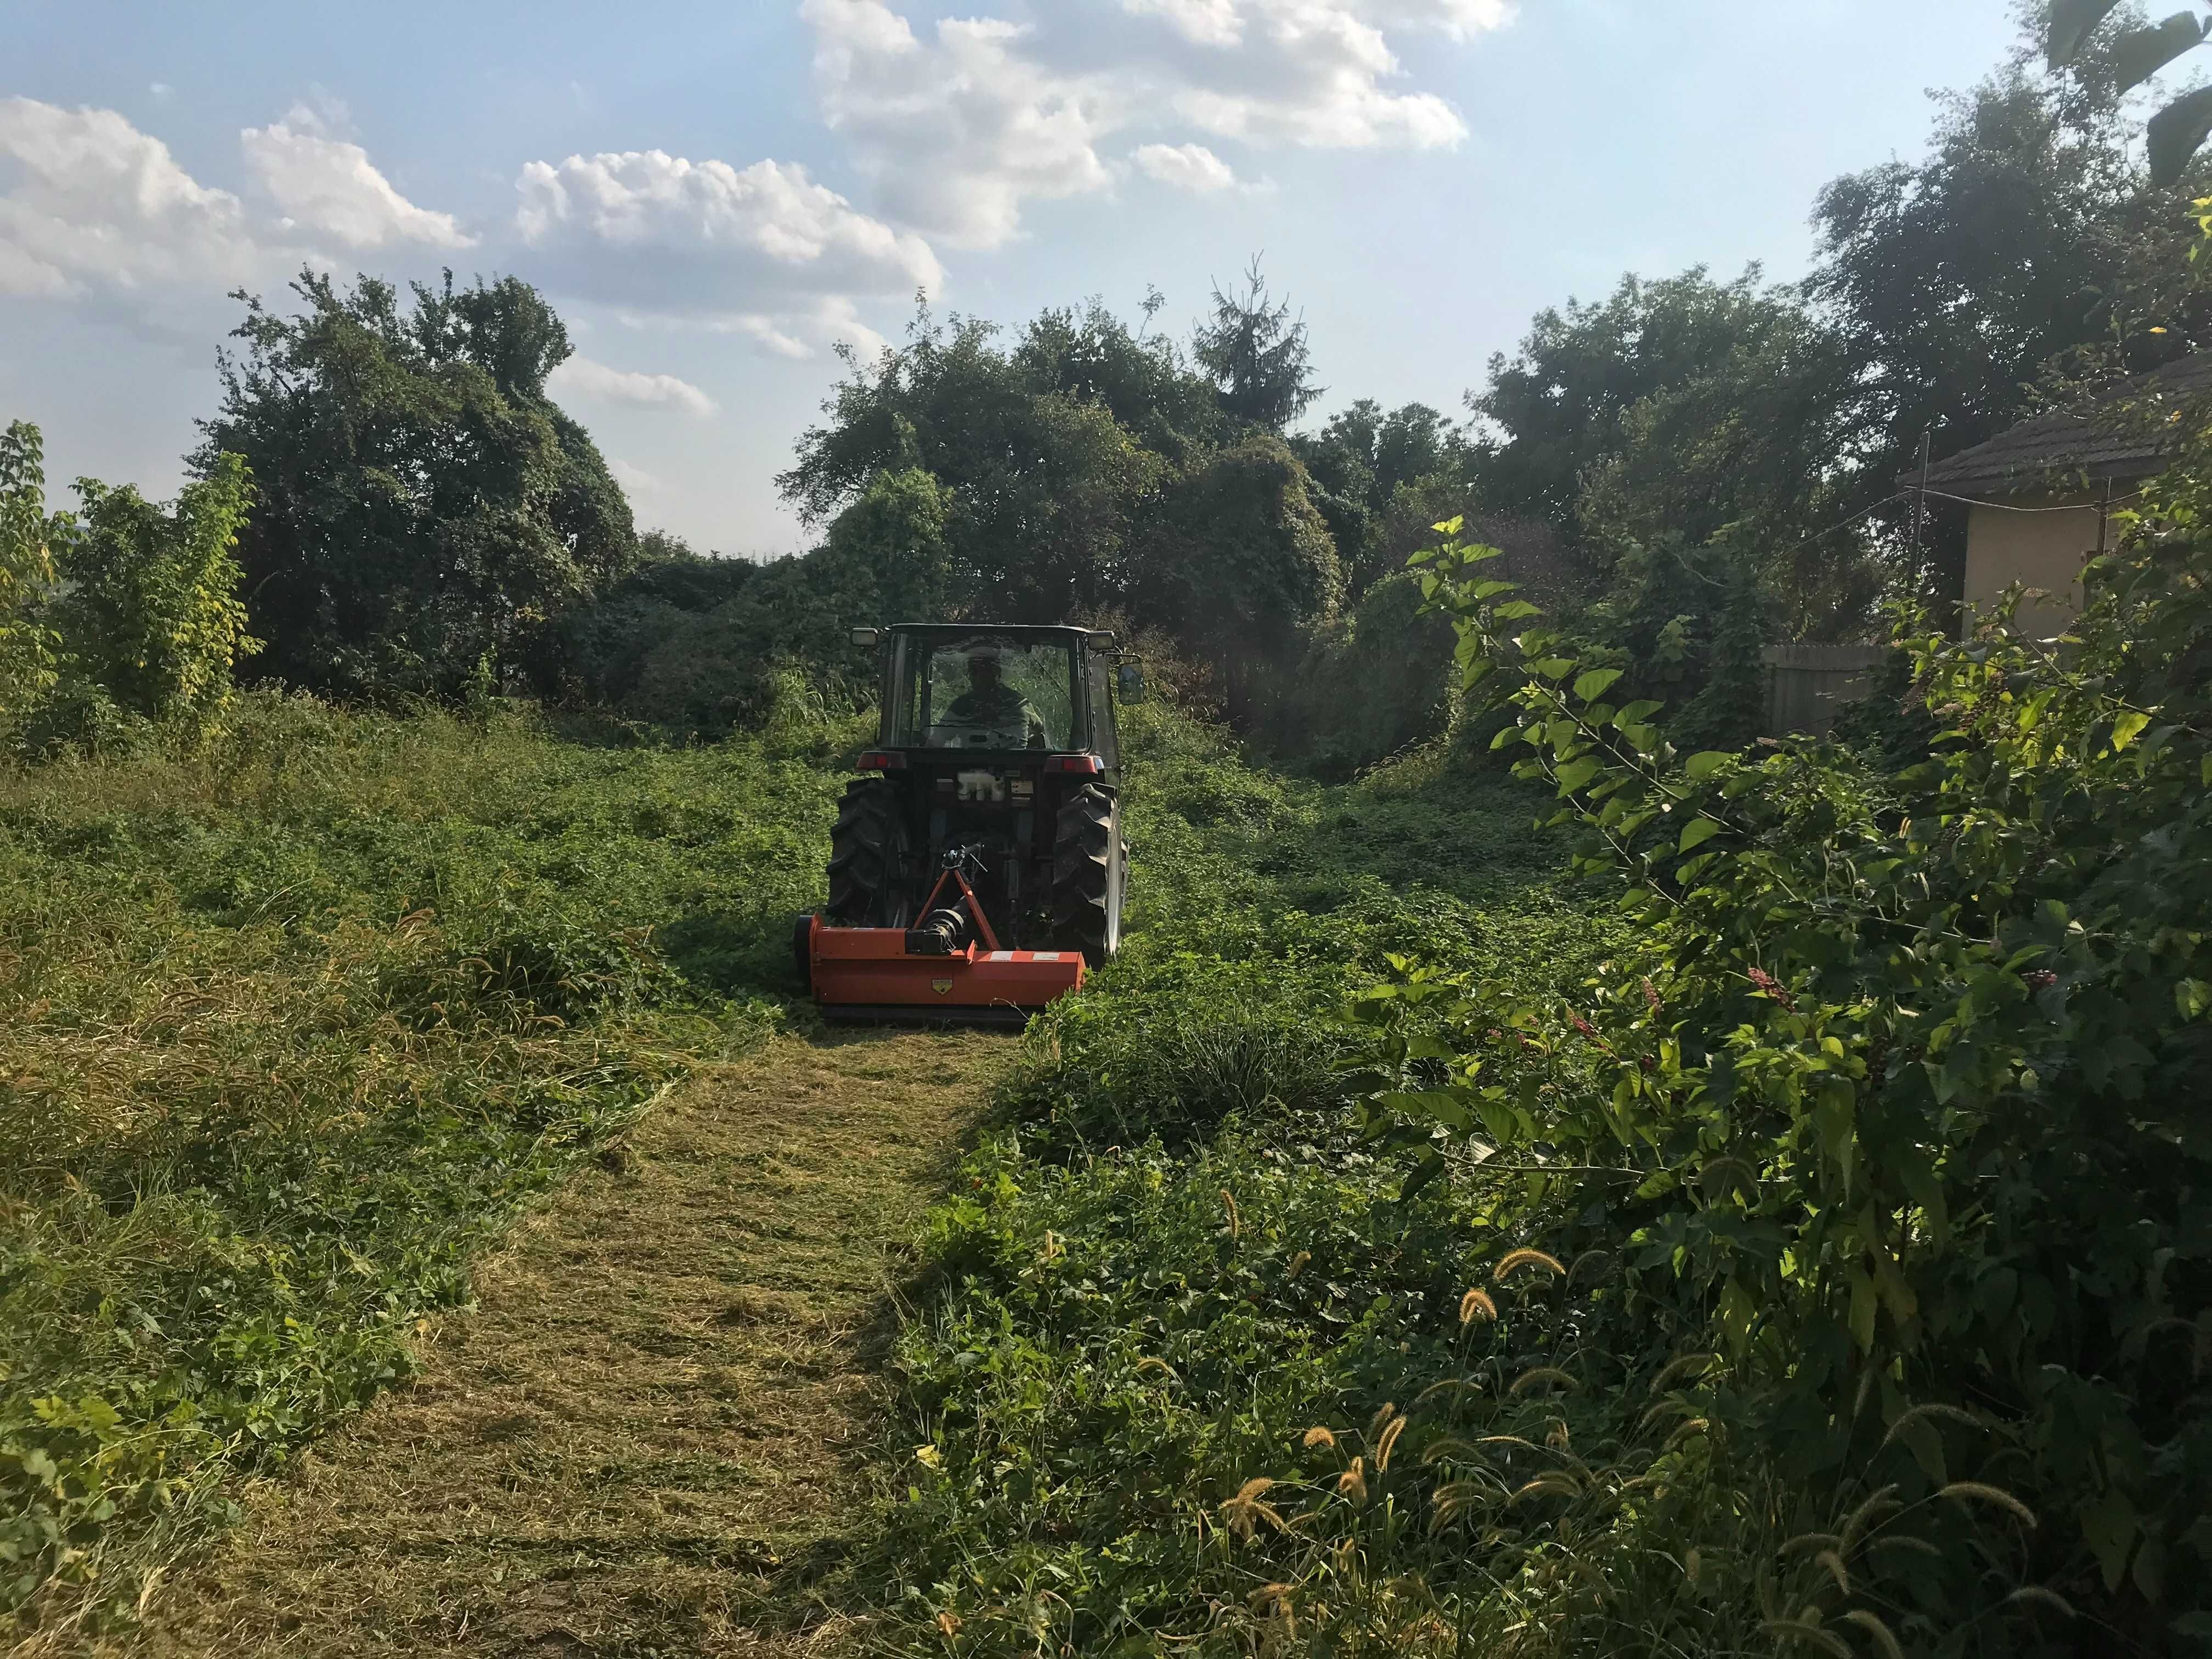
x=1576, y=774
x=1553, y=668
x=1637, y=712
x=2176, y=132
x=2140, y=53
x=1591, y=686
x=2129, y=725
x=1514, y=610
x=1707, y=762
x=2192, y=997
x=2072, y=23
x=1698, y=832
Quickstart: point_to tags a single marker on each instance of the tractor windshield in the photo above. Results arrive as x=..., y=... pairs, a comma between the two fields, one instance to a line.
x=984, y=690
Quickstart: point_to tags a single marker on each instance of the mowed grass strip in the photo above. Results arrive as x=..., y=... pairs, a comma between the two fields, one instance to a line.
x=651, y=1434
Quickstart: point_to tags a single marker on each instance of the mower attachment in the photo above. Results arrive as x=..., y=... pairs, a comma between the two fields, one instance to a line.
x=871, y=973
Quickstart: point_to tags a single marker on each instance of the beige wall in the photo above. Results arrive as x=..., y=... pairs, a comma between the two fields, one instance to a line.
x=2038, y=550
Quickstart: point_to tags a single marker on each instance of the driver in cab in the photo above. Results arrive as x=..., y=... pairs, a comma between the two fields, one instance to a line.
x=990, y=704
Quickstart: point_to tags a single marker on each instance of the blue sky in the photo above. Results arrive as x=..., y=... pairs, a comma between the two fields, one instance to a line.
x=714, y=195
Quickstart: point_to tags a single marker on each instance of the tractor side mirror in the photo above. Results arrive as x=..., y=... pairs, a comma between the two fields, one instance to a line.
x=867, y=637
x=1129, y=682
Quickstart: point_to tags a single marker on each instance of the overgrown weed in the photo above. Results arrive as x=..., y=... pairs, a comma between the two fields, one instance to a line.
x=291, y=1021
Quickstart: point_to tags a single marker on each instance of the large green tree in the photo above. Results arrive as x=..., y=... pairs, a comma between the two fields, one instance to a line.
x=1560, y=408
x=1955, y=279
x=423, y=504
x=1359, y=460
x=1048, y=453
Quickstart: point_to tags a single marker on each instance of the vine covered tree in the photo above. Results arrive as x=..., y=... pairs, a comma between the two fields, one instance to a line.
x=424, y=506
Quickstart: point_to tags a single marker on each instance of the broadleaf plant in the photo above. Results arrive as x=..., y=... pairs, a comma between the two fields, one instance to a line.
x=1902, y=1096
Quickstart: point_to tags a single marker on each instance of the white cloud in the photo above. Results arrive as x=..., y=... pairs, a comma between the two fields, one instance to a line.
x=161, y=89
x=635, y=480
x=797, y=329
x=1208, y=22
x=324, y=185
x=622, y=386
x=1187, y=166
x=95, y=205
x=958, y=131
x=761, y=250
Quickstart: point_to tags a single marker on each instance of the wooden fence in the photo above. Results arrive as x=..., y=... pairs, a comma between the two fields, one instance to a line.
x=1807, y=684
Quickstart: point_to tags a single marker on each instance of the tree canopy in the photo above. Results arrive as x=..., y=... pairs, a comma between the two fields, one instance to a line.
x=423, y=504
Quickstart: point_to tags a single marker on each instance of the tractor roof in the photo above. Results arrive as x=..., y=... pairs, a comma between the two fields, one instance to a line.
x=1030, y=630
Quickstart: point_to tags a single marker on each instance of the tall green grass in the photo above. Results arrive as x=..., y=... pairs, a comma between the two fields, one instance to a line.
x=1179, y=1302
x=289, y=1025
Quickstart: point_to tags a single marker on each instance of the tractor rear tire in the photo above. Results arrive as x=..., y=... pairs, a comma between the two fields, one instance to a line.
x=1088, y=869
x=866, y=848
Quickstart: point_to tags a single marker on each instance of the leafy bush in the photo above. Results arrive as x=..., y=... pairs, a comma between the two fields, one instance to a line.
x=1900, y=1105
x=151, y=613
x=27, y=570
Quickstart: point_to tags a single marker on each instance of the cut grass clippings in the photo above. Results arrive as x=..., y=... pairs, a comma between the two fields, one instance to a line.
x=650, y=1434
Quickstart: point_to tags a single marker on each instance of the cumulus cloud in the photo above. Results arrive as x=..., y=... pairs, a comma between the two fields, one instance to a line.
x=959, y=132
x=324, y=185
x=635, y=480
x=90, y=204
x=761, y=251
x=622, y=386
x=1187, y=166
x=1208, y=22
x=656, y=232
x=961, y=127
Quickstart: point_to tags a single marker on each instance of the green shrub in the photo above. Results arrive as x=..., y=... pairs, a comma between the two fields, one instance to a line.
x=1900, y=1103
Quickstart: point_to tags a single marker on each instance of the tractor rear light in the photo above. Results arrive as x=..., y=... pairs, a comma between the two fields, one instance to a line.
x=882, y=760
x=1086, y=764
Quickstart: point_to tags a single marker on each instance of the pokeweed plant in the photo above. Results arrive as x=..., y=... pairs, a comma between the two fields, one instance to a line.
x=1903, y=1093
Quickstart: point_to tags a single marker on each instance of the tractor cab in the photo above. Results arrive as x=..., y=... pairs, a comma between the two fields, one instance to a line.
x=980, y=864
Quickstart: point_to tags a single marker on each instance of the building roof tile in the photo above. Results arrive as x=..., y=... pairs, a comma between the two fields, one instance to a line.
x=2044, y=453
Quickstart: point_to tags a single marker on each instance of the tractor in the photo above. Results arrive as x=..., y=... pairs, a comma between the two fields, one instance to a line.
x=978, y=871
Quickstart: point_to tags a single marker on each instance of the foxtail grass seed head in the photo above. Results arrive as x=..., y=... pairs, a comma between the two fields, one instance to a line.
x=1542, y=1376
x=1381, y=1421
x=1921, y=1413
x=1476, y=1301
x=1980, y=1491
x=1236, y=1221
x=1884, y=1638
x=1397, y=1426
x=1682, y=1365
x=1298, y=1263
x=1515, y=1260
x=2036, y=1596
x=1318, y=1435
x=1872, y=1508
x=1353, y=1483
x=1245, y=1511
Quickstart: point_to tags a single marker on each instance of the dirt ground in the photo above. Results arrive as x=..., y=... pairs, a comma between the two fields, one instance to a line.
x=649, y=1436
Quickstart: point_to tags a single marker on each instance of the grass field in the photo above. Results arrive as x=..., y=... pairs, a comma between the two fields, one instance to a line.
x=298, y=1026
x=289, y=1029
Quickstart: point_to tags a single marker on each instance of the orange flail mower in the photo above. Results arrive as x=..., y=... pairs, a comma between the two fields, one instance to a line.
x=891, y=972
x=979, y=874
